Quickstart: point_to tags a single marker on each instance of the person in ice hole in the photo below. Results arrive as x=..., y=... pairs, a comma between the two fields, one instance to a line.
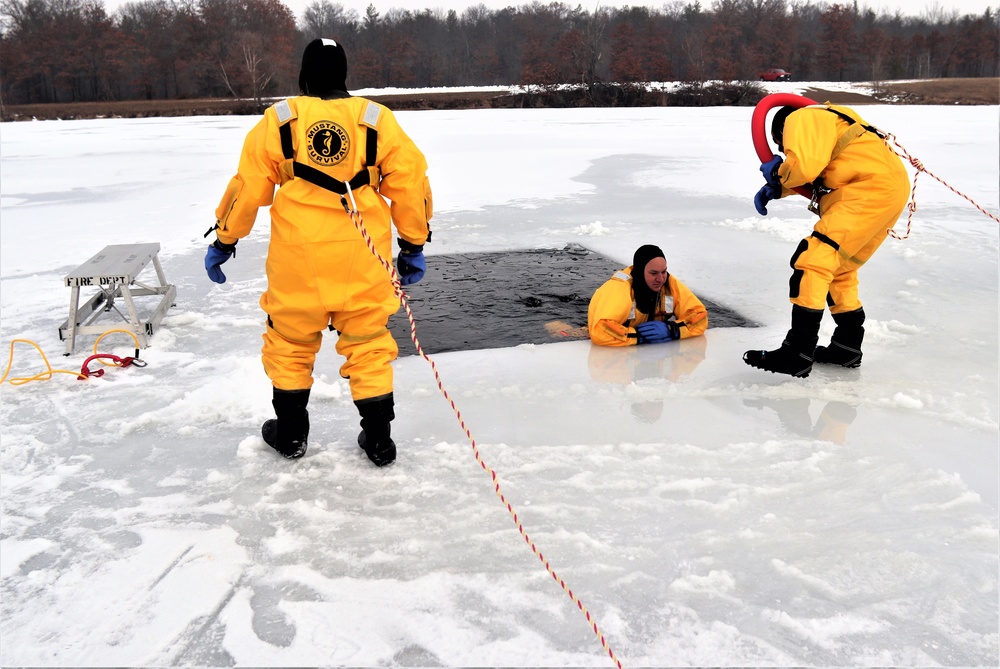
x=644, y=304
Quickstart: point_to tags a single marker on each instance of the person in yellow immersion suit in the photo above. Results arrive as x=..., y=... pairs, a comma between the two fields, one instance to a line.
x=644, y=304
x=860, y=188
x=320, y=147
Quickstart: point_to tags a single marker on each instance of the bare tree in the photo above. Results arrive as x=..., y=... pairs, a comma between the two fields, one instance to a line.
x=326, y=19
x=254, y=72
x=258, y=48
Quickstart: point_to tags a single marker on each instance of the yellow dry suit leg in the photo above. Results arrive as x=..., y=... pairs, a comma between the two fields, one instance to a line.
x=855, y=222
x=843, y=295
x=813, y=266
x=289, y=362
x=369, y=349
x=292, y=339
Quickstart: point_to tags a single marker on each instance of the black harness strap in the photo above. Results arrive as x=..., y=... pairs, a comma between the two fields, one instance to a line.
x=286, y=140
x=322, y=179
x=371, y=146
x=851, y=121
x=826, y=240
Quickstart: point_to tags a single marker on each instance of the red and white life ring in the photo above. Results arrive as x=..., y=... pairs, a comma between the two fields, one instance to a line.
x=760, y=134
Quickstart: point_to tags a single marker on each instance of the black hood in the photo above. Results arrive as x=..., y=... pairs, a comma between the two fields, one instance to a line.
x=324, y=69
x=645, y=298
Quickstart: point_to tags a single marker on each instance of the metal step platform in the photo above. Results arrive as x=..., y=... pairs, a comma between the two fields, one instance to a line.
x=114, y=273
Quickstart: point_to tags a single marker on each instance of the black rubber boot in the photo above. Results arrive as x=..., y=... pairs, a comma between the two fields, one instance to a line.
x=376, y=415
x=795, y=357
x=845, y=345
x=289, y=432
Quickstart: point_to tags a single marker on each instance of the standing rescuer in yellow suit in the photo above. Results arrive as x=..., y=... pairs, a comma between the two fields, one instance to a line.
x=860, y=188
x=320, y=272
x=644, y=304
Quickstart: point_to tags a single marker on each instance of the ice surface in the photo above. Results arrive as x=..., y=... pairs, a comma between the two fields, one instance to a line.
x=704, y=512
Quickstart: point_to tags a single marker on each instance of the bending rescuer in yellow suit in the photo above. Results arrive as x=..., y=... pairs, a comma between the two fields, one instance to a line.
x=320, y=272
x=644, y=304
x=860, y=188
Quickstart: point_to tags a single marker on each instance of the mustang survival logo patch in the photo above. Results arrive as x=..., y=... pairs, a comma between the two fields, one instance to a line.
x=328, y=143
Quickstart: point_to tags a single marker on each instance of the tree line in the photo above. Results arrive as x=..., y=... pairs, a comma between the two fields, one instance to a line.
x=73, y=50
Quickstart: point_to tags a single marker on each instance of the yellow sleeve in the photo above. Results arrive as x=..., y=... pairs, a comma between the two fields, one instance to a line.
x=404, y=180
x=609, y=312
x=809, y=138
x=689, y=312
x=253, y=185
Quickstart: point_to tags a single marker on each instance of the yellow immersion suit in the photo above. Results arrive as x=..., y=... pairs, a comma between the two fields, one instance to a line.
x=612, y=314
x=320, y=271
x=869, y=189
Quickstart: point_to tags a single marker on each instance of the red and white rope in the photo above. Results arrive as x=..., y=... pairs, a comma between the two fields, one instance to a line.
x=912, y=206
x=352, y=210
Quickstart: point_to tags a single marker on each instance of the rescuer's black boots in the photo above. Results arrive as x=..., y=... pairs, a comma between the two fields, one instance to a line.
x=376, y=414
x=796, y=355
x=288, y=433
x=845, y=345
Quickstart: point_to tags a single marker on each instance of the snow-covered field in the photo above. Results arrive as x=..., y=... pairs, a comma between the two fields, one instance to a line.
x=705, y=513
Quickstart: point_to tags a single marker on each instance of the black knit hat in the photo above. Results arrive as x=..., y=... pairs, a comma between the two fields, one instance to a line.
x=324, y=68
x=778, y=123
x=645, y=299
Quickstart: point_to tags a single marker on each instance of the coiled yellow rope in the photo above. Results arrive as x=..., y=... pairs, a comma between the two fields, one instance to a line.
x=82, y=374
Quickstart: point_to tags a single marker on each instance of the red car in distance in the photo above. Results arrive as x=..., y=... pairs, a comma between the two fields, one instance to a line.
x=775, y=74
